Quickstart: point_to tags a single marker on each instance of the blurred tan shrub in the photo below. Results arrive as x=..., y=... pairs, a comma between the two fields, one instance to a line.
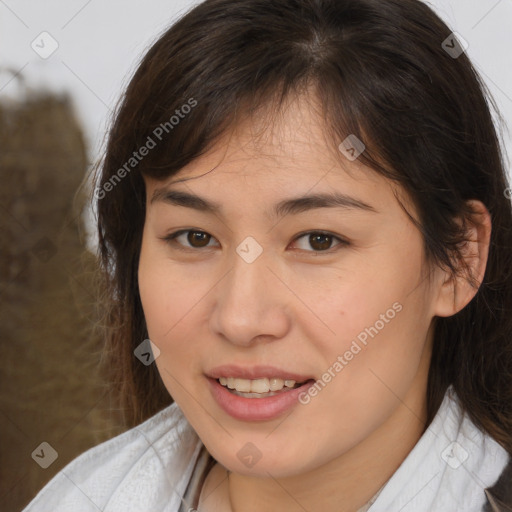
x=51, y=389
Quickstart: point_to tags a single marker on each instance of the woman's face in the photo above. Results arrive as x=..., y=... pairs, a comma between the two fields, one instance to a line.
x=281, y=283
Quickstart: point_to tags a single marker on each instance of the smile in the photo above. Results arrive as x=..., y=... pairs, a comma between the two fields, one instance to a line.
x=254, y=406
x=257, y=388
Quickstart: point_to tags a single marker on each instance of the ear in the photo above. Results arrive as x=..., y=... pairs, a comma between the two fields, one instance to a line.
x=456, y=292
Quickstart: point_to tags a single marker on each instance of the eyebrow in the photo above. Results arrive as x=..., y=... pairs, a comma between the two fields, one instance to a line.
x=290, y=206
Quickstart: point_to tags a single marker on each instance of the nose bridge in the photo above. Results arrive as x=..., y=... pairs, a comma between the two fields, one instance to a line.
x=248, y=305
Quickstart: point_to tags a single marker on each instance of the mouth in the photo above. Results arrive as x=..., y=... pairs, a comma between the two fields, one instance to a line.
x=257, y=393
x=259, y=388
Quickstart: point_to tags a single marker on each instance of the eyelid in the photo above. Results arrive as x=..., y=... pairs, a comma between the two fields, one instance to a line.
x=170, y=238
x=342, y=241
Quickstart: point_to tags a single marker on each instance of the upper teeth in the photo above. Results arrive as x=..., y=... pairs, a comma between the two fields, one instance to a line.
x=256, y=385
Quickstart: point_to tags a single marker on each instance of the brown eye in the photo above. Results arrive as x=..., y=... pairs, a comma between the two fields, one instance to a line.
x=189, y=239
x=198, y=238
x=319, y=242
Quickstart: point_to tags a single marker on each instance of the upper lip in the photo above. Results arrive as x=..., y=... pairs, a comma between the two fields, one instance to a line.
x=255, y=372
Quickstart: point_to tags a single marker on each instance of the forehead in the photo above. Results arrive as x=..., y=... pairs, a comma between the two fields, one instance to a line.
x=287, y=148
x=266, y=165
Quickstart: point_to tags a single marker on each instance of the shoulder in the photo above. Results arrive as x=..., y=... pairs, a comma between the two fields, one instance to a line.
x=499, y=496
x=145, y=468
x=453, y=466
x=488, y=463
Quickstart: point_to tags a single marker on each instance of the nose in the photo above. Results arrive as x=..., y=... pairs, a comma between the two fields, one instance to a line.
x=251, y=302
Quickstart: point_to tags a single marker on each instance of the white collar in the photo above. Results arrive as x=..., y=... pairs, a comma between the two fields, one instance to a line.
x=448, y=468
x=149, y=467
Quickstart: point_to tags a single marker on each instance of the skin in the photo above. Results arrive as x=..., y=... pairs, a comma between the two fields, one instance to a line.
x=298, y=308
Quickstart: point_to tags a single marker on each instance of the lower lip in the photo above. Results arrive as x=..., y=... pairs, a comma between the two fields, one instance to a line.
x=255, y=409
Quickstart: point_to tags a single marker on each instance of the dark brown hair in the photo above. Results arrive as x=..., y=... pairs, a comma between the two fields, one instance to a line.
x=381, y=70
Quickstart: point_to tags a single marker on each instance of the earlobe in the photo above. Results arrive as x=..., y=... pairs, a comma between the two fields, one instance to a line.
x=456, y=292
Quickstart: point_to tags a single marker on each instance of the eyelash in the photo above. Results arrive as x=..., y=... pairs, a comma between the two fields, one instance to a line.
x=171, y=240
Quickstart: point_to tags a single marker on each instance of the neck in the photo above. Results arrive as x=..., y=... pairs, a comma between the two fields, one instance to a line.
x=350, y=480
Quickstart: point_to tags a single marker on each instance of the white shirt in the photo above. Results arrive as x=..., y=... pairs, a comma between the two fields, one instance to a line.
x=148, y=469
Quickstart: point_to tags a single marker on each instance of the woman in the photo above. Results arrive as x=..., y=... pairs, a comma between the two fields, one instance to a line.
x=303, y=206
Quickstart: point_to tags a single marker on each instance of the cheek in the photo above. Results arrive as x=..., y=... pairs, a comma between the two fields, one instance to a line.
x=372, y=365
x=160, y=314
x=166, y=314
x=365, y=303
x=154, y=297
x=380, y=319
x=165, y=291
x=172, y=304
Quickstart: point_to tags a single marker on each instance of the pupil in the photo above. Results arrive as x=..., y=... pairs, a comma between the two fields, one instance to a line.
x=317, y=237
x=198, y=236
